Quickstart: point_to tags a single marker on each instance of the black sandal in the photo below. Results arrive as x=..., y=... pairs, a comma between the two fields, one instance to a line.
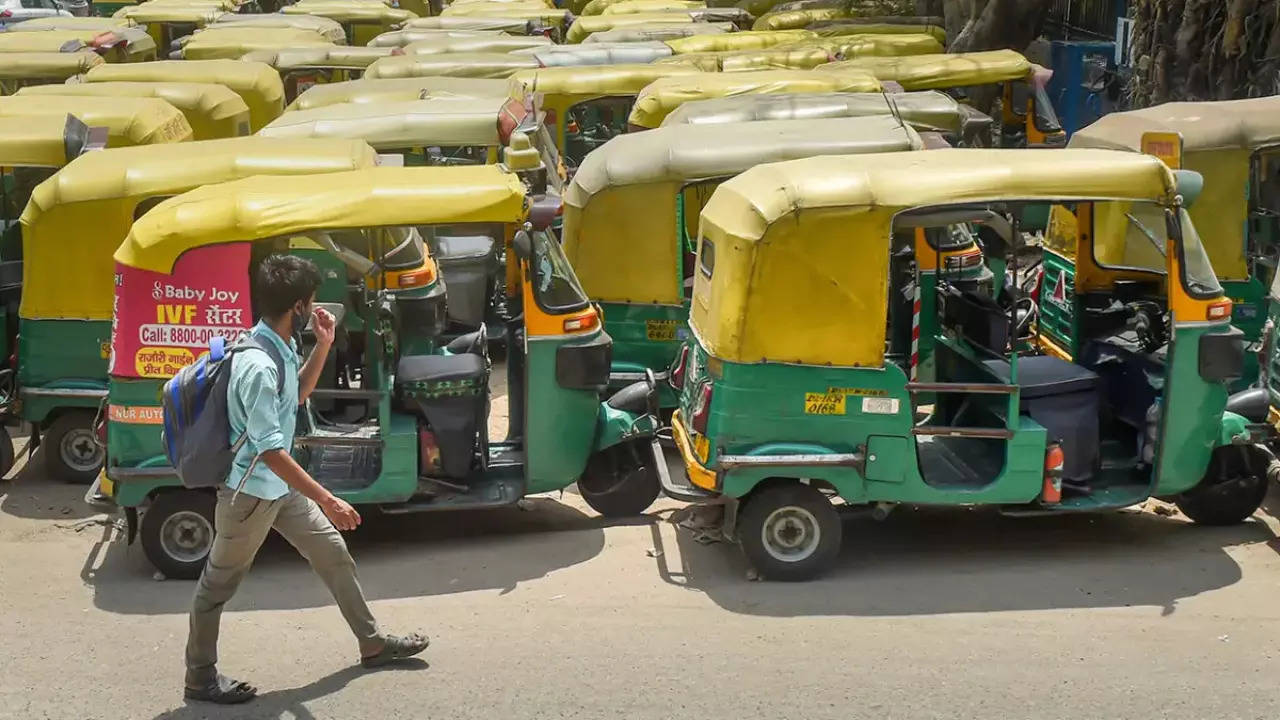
x=396, y=648
x=222, y=691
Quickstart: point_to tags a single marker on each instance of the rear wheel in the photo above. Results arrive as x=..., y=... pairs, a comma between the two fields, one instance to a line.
x=790, y=532
x=72, y=452
x=1231, y=490
x=177, y=532
x=620, y=481
x=7, y=455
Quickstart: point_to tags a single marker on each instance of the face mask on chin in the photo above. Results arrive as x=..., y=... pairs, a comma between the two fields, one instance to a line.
x=300, y=319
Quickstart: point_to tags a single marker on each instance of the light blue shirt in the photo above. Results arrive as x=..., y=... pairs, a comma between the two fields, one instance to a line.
x=270, y=418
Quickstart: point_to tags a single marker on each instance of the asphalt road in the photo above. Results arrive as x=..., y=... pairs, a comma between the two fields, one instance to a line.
x=548, y=611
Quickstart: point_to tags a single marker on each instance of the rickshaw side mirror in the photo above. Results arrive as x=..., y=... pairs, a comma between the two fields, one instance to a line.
x=1189, y=184
x=523, y=245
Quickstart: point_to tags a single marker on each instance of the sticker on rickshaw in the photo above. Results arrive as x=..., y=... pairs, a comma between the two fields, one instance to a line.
x=880, y=406
x=135, y=414
x=104, y=349
x=874, y=392
x=1165, y=145
x=165, y=321
x=824, y=404
x=660, y=330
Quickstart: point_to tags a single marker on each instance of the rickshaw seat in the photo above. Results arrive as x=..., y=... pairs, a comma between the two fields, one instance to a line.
x=440, y=368
x=472, y=342
x=450, y=393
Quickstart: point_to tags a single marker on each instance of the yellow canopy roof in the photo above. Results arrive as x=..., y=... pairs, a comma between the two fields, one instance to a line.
x=501, y=3
x=47, y=65
x=330, y=29
x=336, y=56
x=550, y=16
x=590, y=81
x=260, y=208
x=231, y=43
x=814, y=233
x=153, y=12
x=390, y=90
x=405, y=36
x=477, y=65
x=853, y=26
x=586, y=25
x=515, y=26
x=797, y=19
x=361, y=12
x=855, y=46
x=639, y=176
x=258, y=83
x=86, y=209
x=631, y=7
x=213, y=111
x=47, y=41
x=446, y=122
x=33, y=141
x=928, y=110
x=488, y=43
x=496, y=8
x=657, y=32
x=749, y=40
x=129, y=120
x=62, y=22
x=661, y=97
x=1228, y=125
x=775, y=58
x=935, y=72
x=584, y=54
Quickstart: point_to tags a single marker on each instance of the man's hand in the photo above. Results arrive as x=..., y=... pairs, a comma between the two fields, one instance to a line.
x=340, y=513
x=323, y=325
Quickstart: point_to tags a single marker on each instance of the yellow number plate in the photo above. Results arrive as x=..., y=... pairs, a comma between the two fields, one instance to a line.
x=660, y=330
x=104, y=349
x=824, y=404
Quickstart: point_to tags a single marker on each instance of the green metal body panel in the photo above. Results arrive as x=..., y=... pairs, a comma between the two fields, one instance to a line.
x=562, y=436
x=1191, y=422
x=63, y=355
x=1249, y=311
x=644, y=336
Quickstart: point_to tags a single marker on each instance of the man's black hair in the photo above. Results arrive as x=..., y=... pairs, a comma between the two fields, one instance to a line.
x=283, y=280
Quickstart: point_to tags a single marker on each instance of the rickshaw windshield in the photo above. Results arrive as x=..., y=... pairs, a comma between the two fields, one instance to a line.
x=1197, y=273
x=555, y=287
x=1133, y=236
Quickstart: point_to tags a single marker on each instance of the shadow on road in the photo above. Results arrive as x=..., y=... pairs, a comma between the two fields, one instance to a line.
x=289, y=703
x=30, y=493
x=934, y=561
x=398, y=557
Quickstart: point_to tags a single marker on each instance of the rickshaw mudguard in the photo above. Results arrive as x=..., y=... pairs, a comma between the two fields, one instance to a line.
x=1234, y=431
x=1193, y=419
x=614, y=427
x=738, y=481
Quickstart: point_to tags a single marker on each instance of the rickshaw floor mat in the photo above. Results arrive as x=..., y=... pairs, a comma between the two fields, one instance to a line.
x=345, y=468
x=959, y=462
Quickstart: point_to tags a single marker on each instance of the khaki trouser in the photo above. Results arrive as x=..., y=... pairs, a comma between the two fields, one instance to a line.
x=241, y=526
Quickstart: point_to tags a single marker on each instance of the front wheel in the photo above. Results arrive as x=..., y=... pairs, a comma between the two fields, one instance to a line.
x=620, y=481
x=177, y=532
x=790, y=532
x=1231, y=490
x=72, y=451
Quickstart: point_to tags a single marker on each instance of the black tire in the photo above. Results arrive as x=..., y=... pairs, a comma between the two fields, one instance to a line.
x=767, y=525
x=7, y=455
x=1231, y=490
x=620, y=481
x=177, y=532
x=71, y=449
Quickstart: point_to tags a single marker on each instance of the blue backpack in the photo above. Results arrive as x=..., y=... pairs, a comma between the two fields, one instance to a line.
x=194, y=404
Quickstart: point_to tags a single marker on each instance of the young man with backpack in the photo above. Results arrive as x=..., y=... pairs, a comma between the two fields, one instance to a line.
x=267, y=489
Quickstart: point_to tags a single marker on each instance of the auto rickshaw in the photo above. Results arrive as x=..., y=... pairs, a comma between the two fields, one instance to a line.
x=477, y=43
x=1028, y=118
x=641, y=270
x=550, y=22
x=84, y=211
x=631, y=7
x=257, y=83
x=306, y=67
x=871, y=45
x=166, y=22
x=880, y=26
x=332, y=31
x=116, y=46
x=783, y=410
x=926, y=111
x=63, y=22
x=469, y=65
x=797, y=19
x=657, y=32
x=585, y=26
x=419, y=416
x=404, y=36
x=396, y=89
x=362, y=21
x=212, y=111
x=586, y=106
x=746, y=40
x=632, y=53
x=233, y=43
x=511, y=26
x=664, y=95
x=128, y=119
x=1235, y=145
x=775, y=58
x=21, y=70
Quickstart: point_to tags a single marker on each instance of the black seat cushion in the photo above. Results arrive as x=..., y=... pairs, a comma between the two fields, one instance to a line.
x=440, y=368
x=472, y=342
x=1045, y=375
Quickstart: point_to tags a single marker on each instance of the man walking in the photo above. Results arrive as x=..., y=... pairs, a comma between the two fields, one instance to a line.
x=268, y=489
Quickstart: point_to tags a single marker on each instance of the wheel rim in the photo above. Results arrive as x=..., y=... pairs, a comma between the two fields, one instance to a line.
x=79, y=450
x=186, y=536
x=791, y=534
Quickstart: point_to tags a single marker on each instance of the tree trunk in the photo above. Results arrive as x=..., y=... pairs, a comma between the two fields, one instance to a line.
x=1204, y=50
x=994, y=24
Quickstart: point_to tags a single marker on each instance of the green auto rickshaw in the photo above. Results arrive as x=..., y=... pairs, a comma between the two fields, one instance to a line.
x=21, y=70
x=167, y=22
x=774, y=58
x=493, y=65
x=121, y=45
x=586, y=106
x=396, y=89
x=258, y=84
x=661, y=97
x=212, y=111
x=305, y=67
x=331, y=30
x=84, y=211
x=476, y=43
x=129, y=120
x=233, y=42
x=413, y=436
x=631, y=53
x=1235, y=145
x=657, y=31
x=362, y=21
x=788, y=401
